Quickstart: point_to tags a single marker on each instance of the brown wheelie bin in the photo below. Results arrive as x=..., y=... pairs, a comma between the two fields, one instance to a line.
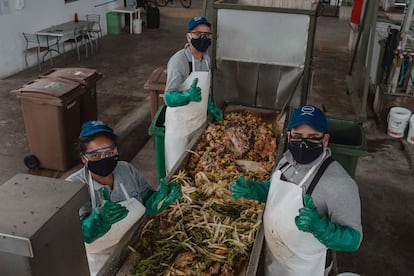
x=156, y=86
x=51, y=113
x=86, y=77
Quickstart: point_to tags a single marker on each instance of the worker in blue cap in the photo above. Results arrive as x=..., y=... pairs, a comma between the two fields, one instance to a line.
x=112, y=182
x=187, y=91
x=312, y=204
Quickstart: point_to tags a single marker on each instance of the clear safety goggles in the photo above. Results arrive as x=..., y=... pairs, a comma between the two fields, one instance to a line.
x=98, y=154
x=197, y=34
x=296, y=137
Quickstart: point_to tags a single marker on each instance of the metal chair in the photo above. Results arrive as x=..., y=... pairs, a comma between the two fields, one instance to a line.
x=95, y=29
x=33, y=45
x=76, y=39
x=91, y=37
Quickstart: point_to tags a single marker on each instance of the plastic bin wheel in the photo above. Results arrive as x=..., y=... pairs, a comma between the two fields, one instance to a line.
x=32, y=162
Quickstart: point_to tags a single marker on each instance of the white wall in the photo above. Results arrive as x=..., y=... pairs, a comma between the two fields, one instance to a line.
x=37, y=15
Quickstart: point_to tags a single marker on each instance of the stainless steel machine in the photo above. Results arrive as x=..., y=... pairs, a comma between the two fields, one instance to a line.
x=262, y=52
x=40, y=232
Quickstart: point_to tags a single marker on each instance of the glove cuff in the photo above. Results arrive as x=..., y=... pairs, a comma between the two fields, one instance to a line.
x=338, y=237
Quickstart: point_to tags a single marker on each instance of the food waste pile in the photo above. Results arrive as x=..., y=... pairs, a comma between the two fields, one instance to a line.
x=208, y=232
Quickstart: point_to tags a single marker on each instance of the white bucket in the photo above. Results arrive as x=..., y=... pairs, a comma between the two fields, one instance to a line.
x=397, y=121
x=410, y=136
x=137, y=23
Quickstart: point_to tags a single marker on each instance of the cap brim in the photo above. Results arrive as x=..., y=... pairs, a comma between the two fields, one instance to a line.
x=200, y=23
x=308, y=123
x=91, y=133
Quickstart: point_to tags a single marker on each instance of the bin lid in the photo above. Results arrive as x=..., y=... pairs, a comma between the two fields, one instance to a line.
x=28, y=204
x=53, y=91
x=84, y=76
x=157, y=79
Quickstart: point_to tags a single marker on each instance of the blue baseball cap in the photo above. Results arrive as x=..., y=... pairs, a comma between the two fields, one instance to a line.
x=309, y=115
x=195, y=21
x=90, y=128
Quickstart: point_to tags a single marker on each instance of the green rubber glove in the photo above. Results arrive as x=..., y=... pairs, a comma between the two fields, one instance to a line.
x=93, y=227
x=250, y=189
x=99, y=221
x=164, y=197
x=331, y=234
x=180, y=98
x=214, y=110
x=109, y=211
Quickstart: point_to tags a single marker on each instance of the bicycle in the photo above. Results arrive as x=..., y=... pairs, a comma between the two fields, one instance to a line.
x=163, y=3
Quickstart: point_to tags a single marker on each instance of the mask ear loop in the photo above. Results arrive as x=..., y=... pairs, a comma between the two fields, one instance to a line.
x=87, y=161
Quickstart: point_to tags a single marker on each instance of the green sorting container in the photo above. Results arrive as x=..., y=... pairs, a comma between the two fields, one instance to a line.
x=157, y=129
x=347, y=142
x=113, y=23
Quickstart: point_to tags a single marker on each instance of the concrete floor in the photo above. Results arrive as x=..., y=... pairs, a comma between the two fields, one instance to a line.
x=385, y=175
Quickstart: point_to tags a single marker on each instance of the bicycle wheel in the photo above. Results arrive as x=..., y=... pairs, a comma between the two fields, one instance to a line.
x=161, y=3
x=186, y=3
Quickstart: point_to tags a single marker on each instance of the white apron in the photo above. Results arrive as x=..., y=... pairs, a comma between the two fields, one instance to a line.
x=182, y=121
x=289, y=251
x=118, y=229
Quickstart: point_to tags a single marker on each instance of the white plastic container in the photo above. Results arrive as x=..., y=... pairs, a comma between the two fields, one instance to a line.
x=137, y=24
x=397, y=121
x=410, y=136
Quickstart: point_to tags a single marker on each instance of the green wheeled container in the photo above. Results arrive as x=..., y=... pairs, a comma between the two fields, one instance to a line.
x=347, y=142
x=157, y=129
x=113, y=23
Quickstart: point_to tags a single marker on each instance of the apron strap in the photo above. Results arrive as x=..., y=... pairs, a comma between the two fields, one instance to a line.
x=315, y=180
x=283, y=166
x=124, y=191
x=91, y=189
x=329, y=258
x=191, y=63
x=282, y=169
x=318, y=174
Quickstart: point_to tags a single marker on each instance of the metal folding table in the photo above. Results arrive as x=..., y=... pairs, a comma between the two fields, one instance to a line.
x=61, y=30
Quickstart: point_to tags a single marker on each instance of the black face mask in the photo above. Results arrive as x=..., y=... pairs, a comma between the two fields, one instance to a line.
x=201, y=44
x=104, y=166
x=304, y=152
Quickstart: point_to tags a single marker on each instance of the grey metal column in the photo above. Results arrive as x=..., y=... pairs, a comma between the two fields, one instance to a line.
x=363, y=58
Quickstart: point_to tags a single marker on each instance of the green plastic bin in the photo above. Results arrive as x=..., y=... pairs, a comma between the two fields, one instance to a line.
x=113, y=23
x=157, y=129
x=347, y=142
